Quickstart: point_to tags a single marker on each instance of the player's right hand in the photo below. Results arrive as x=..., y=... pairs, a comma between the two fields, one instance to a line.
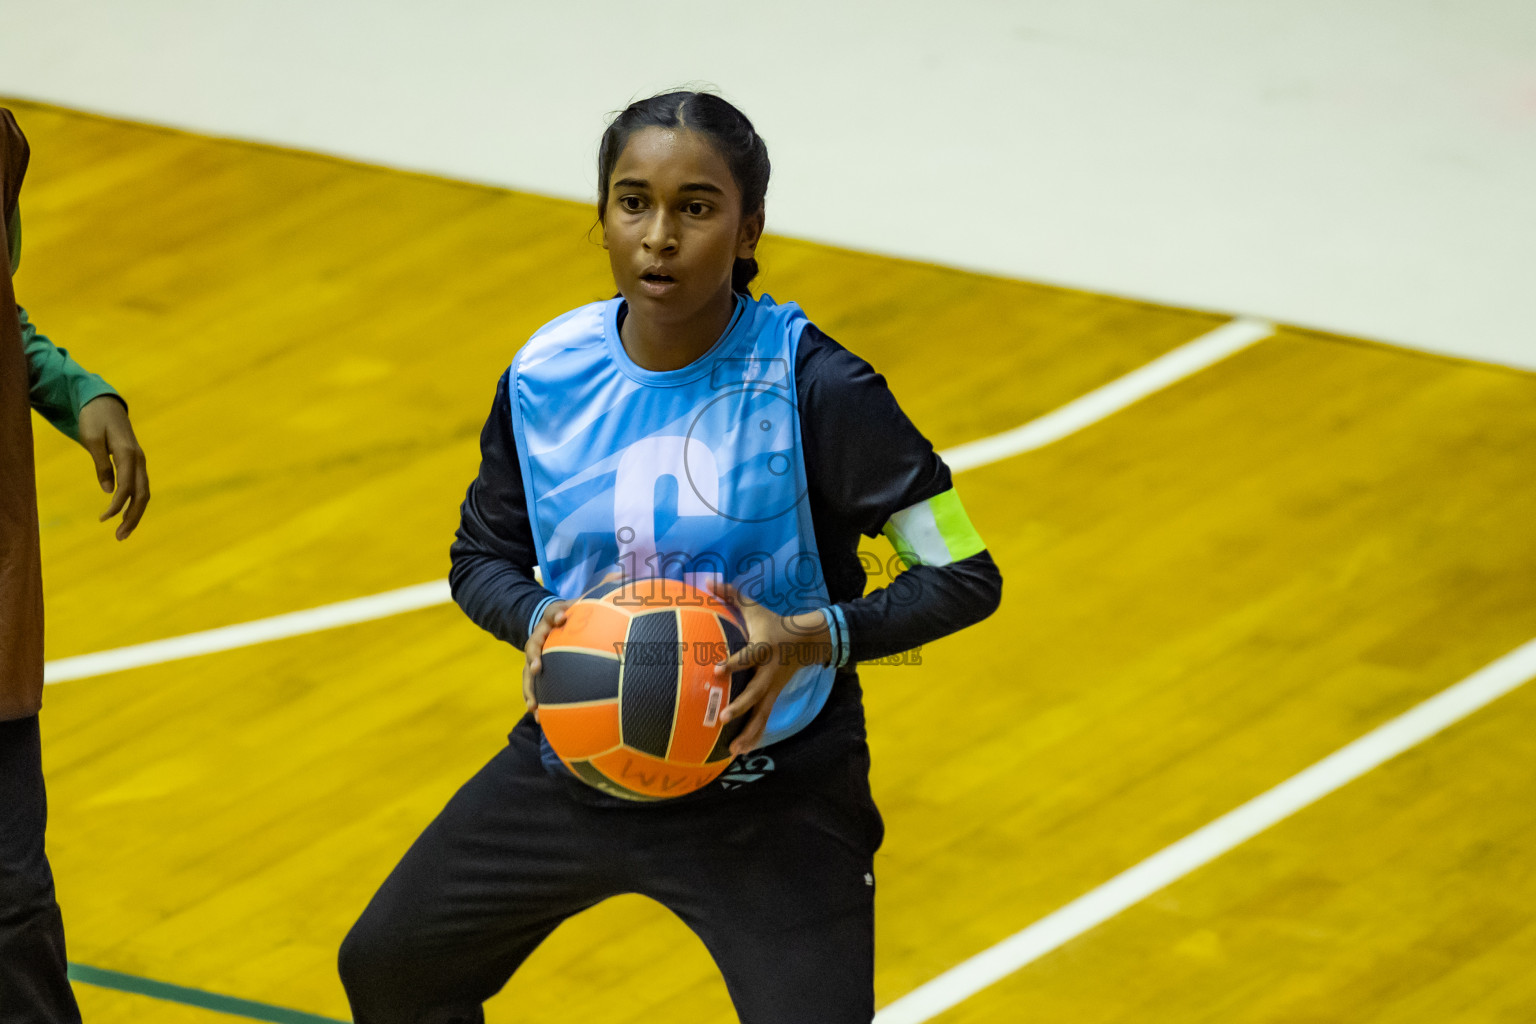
x=533, y=650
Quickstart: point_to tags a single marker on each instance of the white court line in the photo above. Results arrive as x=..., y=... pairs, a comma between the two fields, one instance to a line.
x=311, y=620
x=1201, y=847
x=1166, y=369
x=1074, y=416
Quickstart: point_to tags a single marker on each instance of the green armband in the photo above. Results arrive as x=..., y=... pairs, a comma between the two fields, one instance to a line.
x=934, y=532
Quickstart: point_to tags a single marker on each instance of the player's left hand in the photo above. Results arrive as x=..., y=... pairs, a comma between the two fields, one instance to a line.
x=778, y=645
x=120, y=467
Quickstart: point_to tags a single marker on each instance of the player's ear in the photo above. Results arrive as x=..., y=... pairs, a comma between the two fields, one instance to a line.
x=751, y=234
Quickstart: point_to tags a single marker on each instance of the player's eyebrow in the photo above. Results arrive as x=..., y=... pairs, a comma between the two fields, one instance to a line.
x=692, y=186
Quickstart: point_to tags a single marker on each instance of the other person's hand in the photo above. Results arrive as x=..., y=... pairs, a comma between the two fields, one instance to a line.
x=120, y=467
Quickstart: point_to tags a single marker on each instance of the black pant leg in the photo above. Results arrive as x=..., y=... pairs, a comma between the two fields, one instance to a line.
x=508, y=859
x=780, y=888
x=34, y=986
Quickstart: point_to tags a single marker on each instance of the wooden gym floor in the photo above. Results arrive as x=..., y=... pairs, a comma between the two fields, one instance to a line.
x=1205, y=594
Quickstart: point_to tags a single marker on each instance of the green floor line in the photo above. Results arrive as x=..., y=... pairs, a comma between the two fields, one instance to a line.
x=192, y=996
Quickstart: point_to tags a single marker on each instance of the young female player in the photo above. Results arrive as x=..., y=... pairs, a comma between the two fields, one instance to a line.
x=684, y=428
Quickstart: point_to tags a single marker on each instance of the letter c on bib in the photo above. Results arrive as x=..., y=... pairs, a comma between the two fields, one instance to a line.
x=634, y=488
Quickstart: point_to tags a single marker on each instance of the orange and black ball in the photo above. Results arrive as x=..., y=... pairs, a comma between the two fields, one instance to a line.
x=627, y=693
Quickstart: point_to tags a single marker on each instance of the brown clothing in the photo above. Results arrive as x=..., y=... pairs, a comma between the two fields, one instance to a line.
x=21, y=577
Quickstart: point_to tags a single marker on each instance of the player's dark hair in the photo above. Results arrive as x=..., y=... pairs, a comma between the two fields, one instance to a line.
x=727, y=128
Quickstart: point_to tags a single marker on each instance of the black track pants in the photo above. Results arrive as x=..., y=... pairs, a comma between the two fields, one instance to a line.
x=777, y=883
x=34, y=988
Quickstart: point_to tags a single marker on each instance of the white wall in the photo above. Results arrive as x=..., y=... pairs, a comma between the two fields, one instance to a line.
x=1367, y=166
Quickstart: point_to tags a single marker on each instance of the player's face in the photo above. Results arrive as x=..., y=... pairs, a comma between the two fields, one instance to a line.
x=673, y=226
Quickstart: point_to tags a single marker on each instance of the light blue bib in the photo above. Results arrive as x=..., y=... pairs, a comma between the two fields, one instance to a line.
x=696, y=474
